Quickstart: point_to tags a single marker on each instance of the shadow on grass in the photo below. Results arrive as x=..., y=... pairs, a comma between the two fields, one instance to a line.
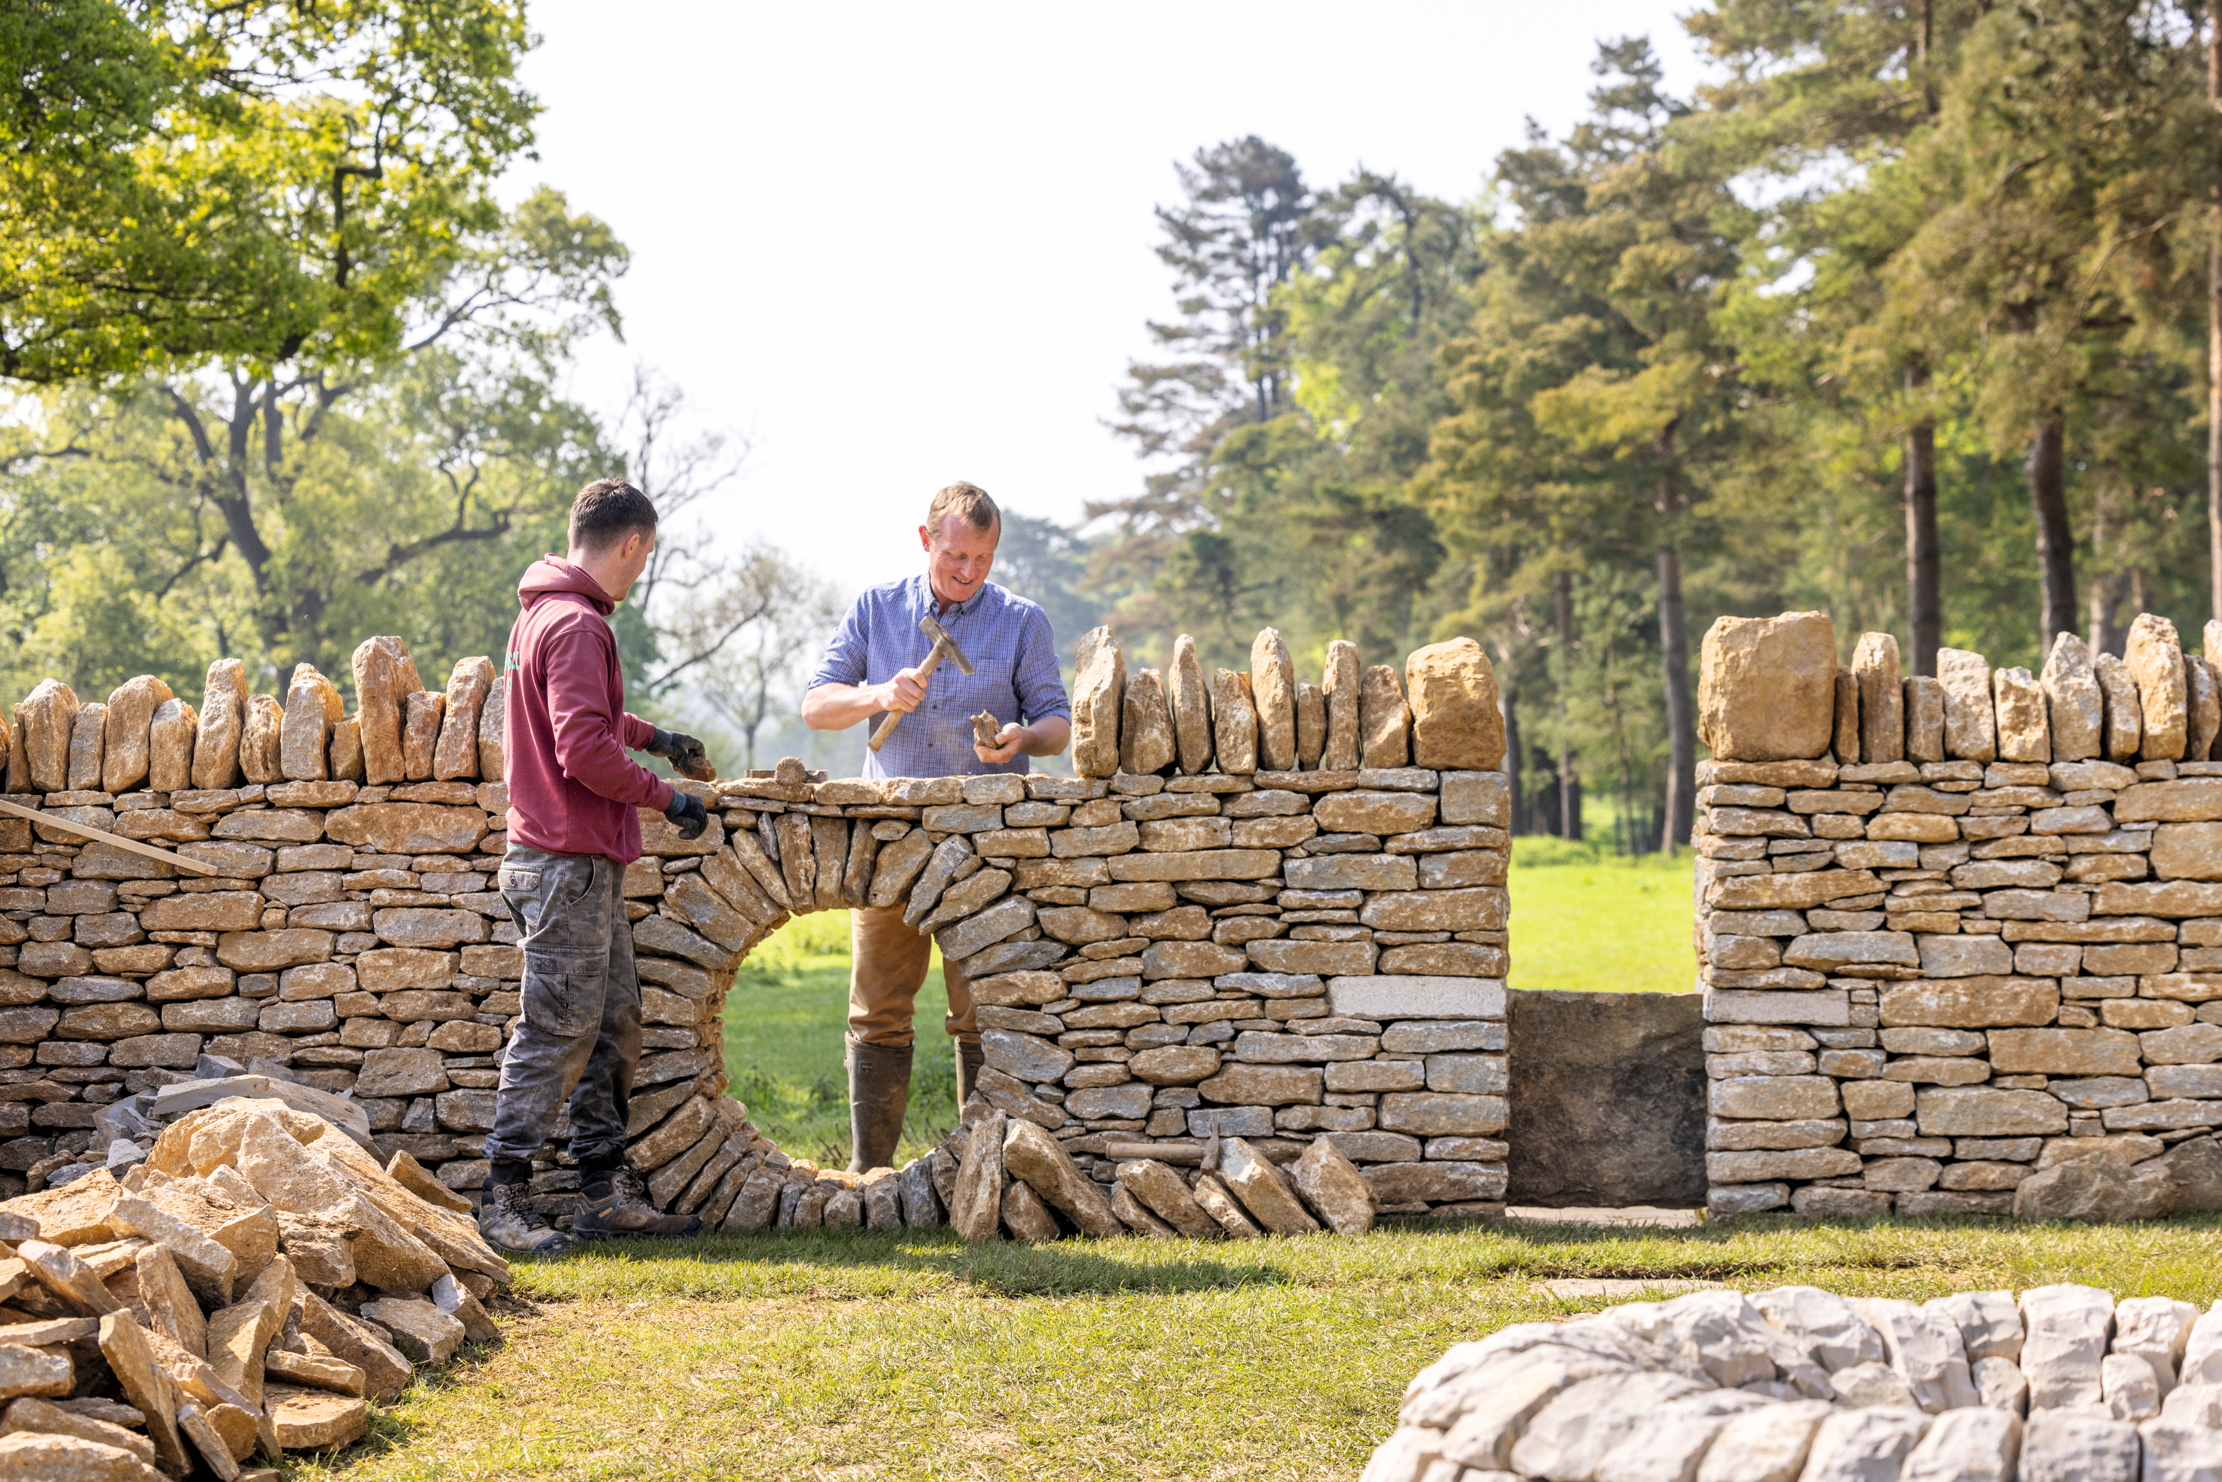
x=860, y=1265
x=1005, y=1267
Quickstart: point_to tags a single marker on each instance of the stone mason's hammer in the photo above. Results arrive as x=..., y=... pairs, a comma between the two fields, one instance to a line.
x=944, y=647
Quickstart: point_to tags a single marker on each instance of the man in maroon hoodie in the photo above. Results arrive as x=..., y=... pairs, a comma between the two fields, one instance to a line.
x=572, y=831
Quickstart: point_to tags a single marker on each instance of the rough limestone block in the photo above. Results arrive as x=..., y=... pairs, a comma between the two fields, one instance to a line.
x=2075, y=705
x=46, y=718
x=2154, y=659
x=1340, y=682
x=1882, y=722
x=1844, y=733
x=124, y=746
x=385, y=676
x=1766, y=687
x=2078, y=1448
x=1234, y=722
x=2203, y=708
x=1311, y=724
x=262, y=740
x=88, y=734
x=2125, y=718
x=1864, y=1443
x=455, y=755
x=1970, y=724
x=345, y=763
x=2024, y=729
x=312, y=708
x=1457, y=720
x=1098, y=688
x=223, y=722
x=2066, y=1330
x=1384, y=720
x=1273, y=695
x=1924, y=719
x=492, y=748
x=421, y=715
x=171, y=735
x=1189, y=697
x=1970, y=1445
x=1146, y=740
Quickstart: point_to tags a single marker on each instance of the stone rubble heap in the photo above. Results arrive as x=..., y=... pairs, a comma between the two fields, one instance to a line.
x=250, y=1285
x=1283, y=920
x=1960, y=938
x=2064, y=1385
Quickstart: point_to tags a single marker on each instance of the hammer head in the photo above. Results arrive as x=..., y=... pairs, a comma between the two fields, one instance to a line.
x=945, y=643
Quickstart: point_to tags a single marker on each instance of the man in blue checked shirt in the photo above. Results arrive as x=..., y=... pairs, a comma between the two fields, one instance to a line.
x=871, y=668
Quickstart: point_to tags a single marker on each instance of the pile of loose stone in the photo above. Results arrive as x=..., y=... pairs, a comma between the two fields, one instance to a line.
x=250, y=1285
x=1960, y=937
x=1797, y=1383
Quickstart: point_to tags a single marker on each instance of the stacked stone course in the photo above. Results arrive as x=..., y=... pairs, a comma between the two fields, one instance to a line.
x=1960, y=938
x=1161, y=959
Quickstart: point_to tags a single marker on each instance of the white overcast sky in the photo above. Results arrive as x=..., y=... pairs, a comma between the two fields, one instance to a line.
x=899, y=245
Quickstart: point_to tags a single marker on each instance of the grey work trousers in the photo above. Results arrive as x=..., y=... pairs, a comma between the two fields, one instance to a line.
x=579, y=1036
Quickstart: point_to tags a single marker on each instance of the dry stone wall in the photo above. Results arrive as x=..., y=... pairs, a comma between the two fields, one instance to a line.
x=1201, y=964
x=1960, y=938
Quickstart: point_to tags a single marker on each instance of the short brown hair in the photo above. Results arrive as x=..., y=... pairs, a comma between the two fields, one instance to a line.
x=607, y=511
x=968, y=502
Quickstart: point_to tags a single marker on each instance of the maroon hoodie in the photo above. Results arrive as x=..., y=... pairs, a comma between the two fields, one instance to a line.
x=572, y=789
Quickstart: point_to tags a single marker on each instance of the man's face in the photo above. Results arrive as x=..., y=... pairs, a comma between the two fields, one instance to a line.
x=957, y=560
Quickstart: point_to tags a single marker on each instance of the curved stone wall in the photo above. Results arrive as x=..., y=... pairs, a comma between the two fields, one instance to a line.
x=1278, y=955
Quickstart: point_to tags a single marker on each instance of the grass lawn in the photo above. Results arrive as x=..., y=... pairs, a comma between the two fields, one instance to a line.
x=910, y=1356
x=1585, y=918
x=783, y=1027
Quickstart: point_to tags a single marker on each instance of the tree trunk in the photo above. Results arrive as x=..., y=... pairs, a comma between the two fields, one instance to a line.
x=1674, y=665
x=1569, y=775
x=2046, y=470
x=1508, y=694
x=2106, y=583
x=1924, y=587
x=2214, y=324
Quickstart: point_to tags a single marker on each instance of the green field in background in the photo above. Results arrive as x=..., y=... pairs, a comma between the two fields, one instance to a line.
x=783, y=1025
x=1587, y=919
x=1582, y=918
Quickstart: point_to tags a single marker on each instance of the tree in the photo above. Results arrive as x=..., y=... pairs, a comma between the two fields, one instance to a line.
x=247, y=181
x=1242, y=229
x=759, y=667
x=1595, y=392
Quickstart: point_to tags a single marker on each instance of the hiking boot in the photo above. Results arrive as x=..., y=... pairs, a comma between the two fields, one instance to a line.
x=512, y=1227
x=879, y=1094
x=970, y=1057
x=625, y=1210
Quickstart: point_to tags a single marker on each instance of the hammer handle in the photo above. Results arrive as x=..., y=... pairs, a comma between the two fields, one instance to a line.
x=894, y=717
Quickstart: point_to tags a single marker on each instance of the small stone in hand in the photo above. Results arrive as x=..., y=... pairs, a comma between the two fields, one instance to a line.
x=985, y=728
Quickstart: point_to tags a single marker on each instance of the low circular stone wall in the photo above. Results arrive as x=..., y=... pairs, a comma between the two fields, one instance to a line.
x=1717, y=1386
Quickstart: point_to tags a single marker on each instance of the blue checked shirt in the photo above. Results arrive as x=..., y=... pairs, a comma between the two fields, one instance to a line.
x=1014, y=658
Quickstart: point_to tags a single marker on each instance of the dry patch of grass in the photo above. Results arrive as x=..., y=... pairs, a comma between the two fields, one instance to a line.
x=913, y=1356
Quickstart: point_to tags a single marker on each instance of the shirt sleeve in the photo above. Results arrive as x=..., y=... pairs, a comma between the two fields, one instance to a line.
x=588, y=744
x=1041, y=693
x=847, y=653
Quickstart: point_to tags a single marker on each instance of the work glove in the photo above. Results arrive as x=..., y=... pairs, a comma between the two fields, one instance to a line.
x=687, y=814
x=685, y=753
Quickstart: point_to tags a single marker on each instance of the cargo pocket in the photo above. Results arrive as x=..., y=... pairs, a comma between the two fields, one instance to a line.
x=560, y=999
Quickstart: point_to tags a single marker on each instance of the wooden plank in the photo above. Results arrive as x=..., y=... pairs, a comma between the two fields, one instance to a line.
x=132, y=846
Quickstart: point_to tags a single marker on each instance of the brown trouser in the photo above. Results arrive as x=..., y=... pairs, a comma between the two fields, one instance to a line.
x=888, y=965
